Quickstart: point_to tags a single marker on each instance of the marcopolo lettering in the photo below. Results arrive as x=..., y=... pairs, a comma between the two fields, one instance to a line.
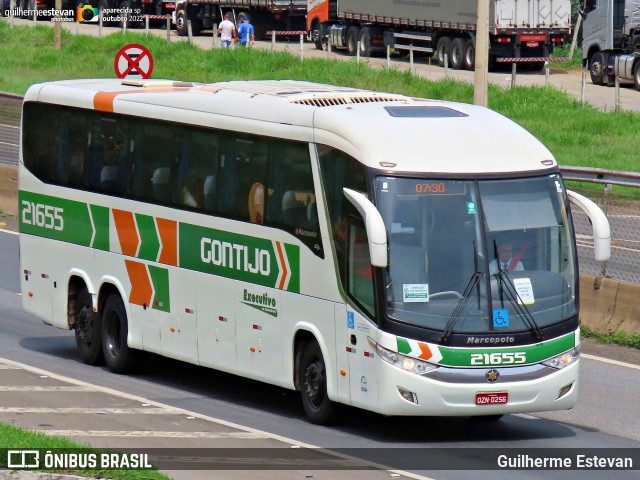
x=235, y=256
x=489, y=340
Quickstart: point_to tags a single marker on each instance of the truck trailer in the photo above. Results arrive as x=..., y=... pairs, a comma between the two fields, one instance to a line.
x=611, y=40
x=520, y=30
x=281, y=15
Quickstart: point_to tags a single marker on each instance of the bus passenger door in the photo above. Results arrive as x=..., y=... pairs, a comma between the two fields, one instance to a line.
x=363, y=375
x=259, y=332
x=217, y=323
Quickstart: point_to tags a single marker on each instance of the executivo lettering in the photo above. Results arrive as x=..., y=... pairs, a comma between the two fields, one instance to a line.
x=262, y=302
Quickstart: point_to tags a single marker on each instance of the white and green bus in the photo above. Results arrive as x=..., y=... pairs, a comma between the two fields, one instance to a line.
x=340, y=242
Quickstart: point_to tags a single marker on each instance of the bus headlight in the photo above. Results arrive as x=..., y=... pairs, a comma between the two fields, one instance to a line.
x=563, y=360
x=396, y=359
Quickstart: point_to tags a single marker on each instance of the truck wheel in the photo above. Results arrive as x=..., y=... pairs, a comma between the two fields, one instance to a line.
x=316, y=34
x=312, y=379
x=130, y=24
x=457, y=53
x=117, y=354
x=443, y=47
x=469, y=55
x=353, y=35
x=87, y=325
x=181, y=23
x=365, y=42
x=104, y=4
x=596, y=68
x=636, y=75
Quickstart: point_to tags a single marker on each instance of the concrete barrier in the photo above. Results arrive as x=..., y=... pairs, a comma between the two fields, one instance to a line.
x=614, y=307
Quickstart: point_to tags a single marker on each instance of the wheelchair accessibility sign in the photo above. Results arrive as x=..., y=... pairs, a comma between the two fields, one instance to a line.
x=501, y=318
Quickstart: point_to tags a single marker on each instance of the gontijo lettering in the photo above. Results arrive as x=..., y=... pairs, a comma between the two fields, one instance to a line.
x=235, y=256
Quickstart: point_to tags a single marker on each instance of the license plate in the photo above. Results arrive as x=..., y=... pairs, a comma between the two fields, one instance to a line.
x=494, y=398
x=533, y=44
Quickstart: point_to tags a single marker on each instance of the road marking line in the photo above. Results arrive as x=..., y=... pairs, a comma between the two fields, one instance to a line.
x=44, y=389
x=526, y=416
x=90, y=410
x=218, y=421
x=148, y=434
x=8, y=231
x=8, y=367
x=612, y=362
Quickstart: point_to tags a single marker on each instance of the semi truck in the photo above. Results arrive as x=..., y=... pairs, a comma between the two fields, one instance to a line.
x=283, y=15
x=611, y=40
x=520, y=30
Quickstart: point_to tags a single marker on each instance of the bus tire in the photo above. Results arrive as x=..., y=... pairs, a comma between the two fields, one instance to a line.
x=117, y=354
x=312, y=379
x=87, y=325
x=353, y=35
x=443, y=47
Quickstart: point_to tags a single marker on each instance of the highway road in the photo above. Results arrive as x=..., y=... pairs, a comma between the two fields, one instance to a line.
x=606, y=414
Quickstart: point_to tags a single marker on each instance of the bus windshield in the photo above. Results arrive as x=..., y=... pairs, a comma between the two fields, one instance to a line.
x=452, y=241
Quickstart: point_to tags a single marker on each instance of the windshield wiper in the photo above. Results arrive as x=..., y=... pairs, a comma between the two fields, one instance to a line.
x=474, y=282
x=518, y=304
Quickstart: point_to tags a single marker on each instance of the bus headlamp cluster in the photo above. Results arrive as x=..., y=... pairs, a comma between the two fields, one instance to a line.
x=396, y=359
x=564, y=360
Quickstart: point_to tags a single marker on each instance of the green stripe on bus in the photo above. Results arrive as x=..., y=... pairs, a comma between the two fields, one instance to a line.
x=461, y=357
x=55, y=218
x=149, y=242
x=236, y=256
x=160, y=280
x=100, y=217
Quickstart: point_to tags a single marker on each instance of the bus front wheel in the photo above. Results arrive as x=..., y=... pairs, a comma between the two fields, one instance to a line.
x=312, y=379
x=117, y=354
x=87, y=326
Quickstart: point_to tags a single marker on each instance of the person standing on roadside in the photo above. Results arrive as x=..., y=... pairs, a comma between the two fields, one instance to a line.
x=227, y=31
x=246, y=34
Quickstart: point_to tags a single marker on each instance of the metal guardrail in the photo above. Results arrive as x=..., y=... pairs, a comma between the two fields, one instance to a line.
x=623, y=215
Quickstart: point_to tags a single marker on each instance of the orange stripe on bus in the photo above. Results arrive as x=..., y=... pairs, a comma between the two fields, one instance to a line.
x=168, y=230
x=141, y=290
x=285, y=272
x=103, y=101
x=127, y=233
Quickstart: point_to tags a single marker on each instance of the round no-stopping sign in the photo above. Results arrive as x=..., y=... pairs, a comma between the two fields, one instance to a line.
x=133, y=61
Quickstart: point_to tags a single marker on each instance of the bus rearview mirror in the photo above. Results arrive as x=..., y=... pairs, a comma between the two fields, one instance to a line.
x=599, y=223
x=376, y=231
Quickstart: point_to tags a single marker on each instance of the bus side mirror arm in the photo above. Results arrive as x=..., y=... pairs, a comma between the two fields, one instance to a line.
x=376, y=231
x=599, y=223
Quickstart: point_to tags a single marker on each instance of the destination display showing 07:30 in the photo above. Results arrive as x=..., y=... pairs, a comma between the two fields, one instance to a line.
x=426, y=187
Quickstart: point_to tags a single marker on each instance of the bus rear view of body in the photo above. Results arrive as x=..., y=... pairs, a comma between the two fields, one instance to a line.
x=402, y=255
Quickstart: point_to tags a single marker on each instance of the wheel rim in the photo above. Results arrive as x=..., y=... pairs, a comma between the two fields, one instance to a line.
x=179, y=22
x=470, y=56
x=113, y=340
x=314, y=382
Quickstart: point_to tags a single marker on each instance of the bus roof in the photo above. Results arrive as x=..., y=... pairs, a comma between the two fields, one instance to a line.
x=382, y=130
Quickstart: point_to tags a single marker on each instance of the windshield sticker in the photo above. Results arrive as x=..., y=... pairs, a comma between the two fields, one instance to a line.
x=472, y=209
x=415, y=292
x=558, y=187
x=501, y=318
x=525, y=290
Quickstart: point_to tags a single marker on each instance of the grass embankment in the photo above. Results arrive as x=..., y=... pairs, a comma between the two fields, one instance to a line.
x=17, y=438
x=618, y=338
x=577, y=136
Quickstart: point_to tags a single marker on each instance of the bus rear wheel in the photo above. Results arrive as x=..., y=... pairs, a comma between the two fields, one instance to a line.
x=117, y=354
x=312, y=379
x=87, y=325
